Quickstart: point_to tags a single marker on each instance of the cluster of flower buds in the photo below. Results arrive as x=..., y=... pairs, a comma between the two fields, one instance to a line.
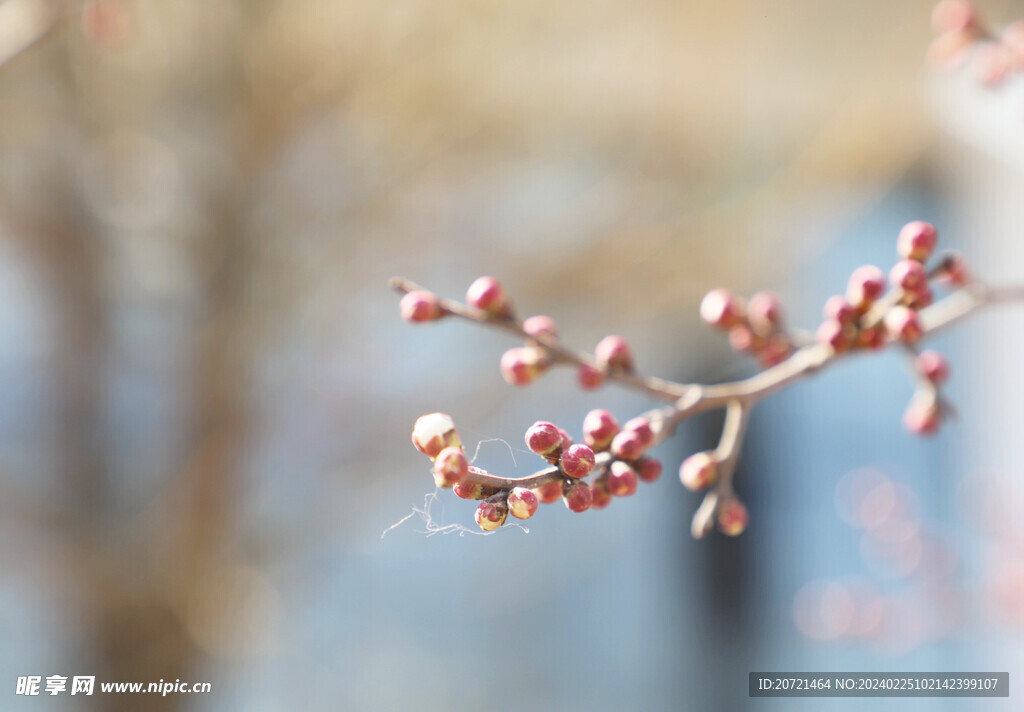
x=755, y=327
x=960, y=37
x=868, y=317
x=617, y=475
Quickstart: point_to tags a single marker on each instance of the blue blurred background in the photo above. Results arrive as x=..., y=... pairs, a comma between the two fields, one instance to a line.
x=206, y=392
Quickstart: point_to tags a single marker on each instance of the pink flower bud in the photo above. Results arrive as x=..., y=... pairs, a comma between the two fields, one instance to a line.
x=776, y=349
x=522, y=503
x=419, y=306
x=721, y=309
x=731, y=516
x=486, y=293
x=953, y=16
x=835, y=334
x=866, y=284
x=566, y=440
x=764, y=311
x=544, y=438
x=492, y=512
x=953, y=269
x=933, y=366
x=577, y=495
x=699, y=471
x=642, y=427
x=589, y=378
x=473, y=490
x=522, y=365
x=627, y=445
x=902, y=324
x=647, y=469
x=578, y=461
x=870, y=337
x=599, y=427
x=837, y=308
x=614, y=353
x=923, y=416
x=743, y=340
x=541, y=326
x=909, y=275
x=549, y=492
x=600, y=496
x=450, y=467
x=433, y=433
x=622, y=480
x=919, y=298
x=916, y=241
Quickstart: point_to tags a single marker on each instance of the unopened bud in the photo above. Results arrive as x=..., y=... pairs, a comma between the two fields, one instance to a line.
x=699, y=470
x=522, y=503
x=433, y=433
x=492, y=512
x=450, y=467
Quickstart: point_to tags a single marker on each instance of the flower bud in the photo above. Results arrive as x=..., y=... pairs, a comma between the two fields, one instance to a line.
x=923, y=416
x=614, y=353
x=599, y=427
x=743, y=340
x=731, y=516
x=522, y=365
x=902, y=324
x=699, y=471
x=835, y=334
x=578, y=461
x=600, y=496
x=450, y=467
x=492, y=512
x=433, y=433
x=522, y=503
x=577, y=495
x=647, y=469
x=589, y=378
x=909, y=275
x=916, y=241
x=627, y=445
x=837, y=308
x=764, y=312
x=566, y=440
x=549, y=492
x=866, y=284
x=541, y=325
x=776, y=349
x=419, y=306
x=870, y=337
x=953, y=269
x=642, y=427
x=622, y=479
x=721, y=309
x=933, y=366
x=919, y=298
x=486, y=293
x=544, y=438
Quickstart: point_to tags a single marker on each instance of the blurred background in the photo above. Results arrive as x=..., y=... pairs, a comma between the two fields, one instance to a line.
x=206, y=392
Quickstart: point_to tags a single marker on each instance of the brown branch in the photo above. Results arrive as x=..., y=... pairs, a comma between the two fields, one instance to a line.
x=737, y=397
